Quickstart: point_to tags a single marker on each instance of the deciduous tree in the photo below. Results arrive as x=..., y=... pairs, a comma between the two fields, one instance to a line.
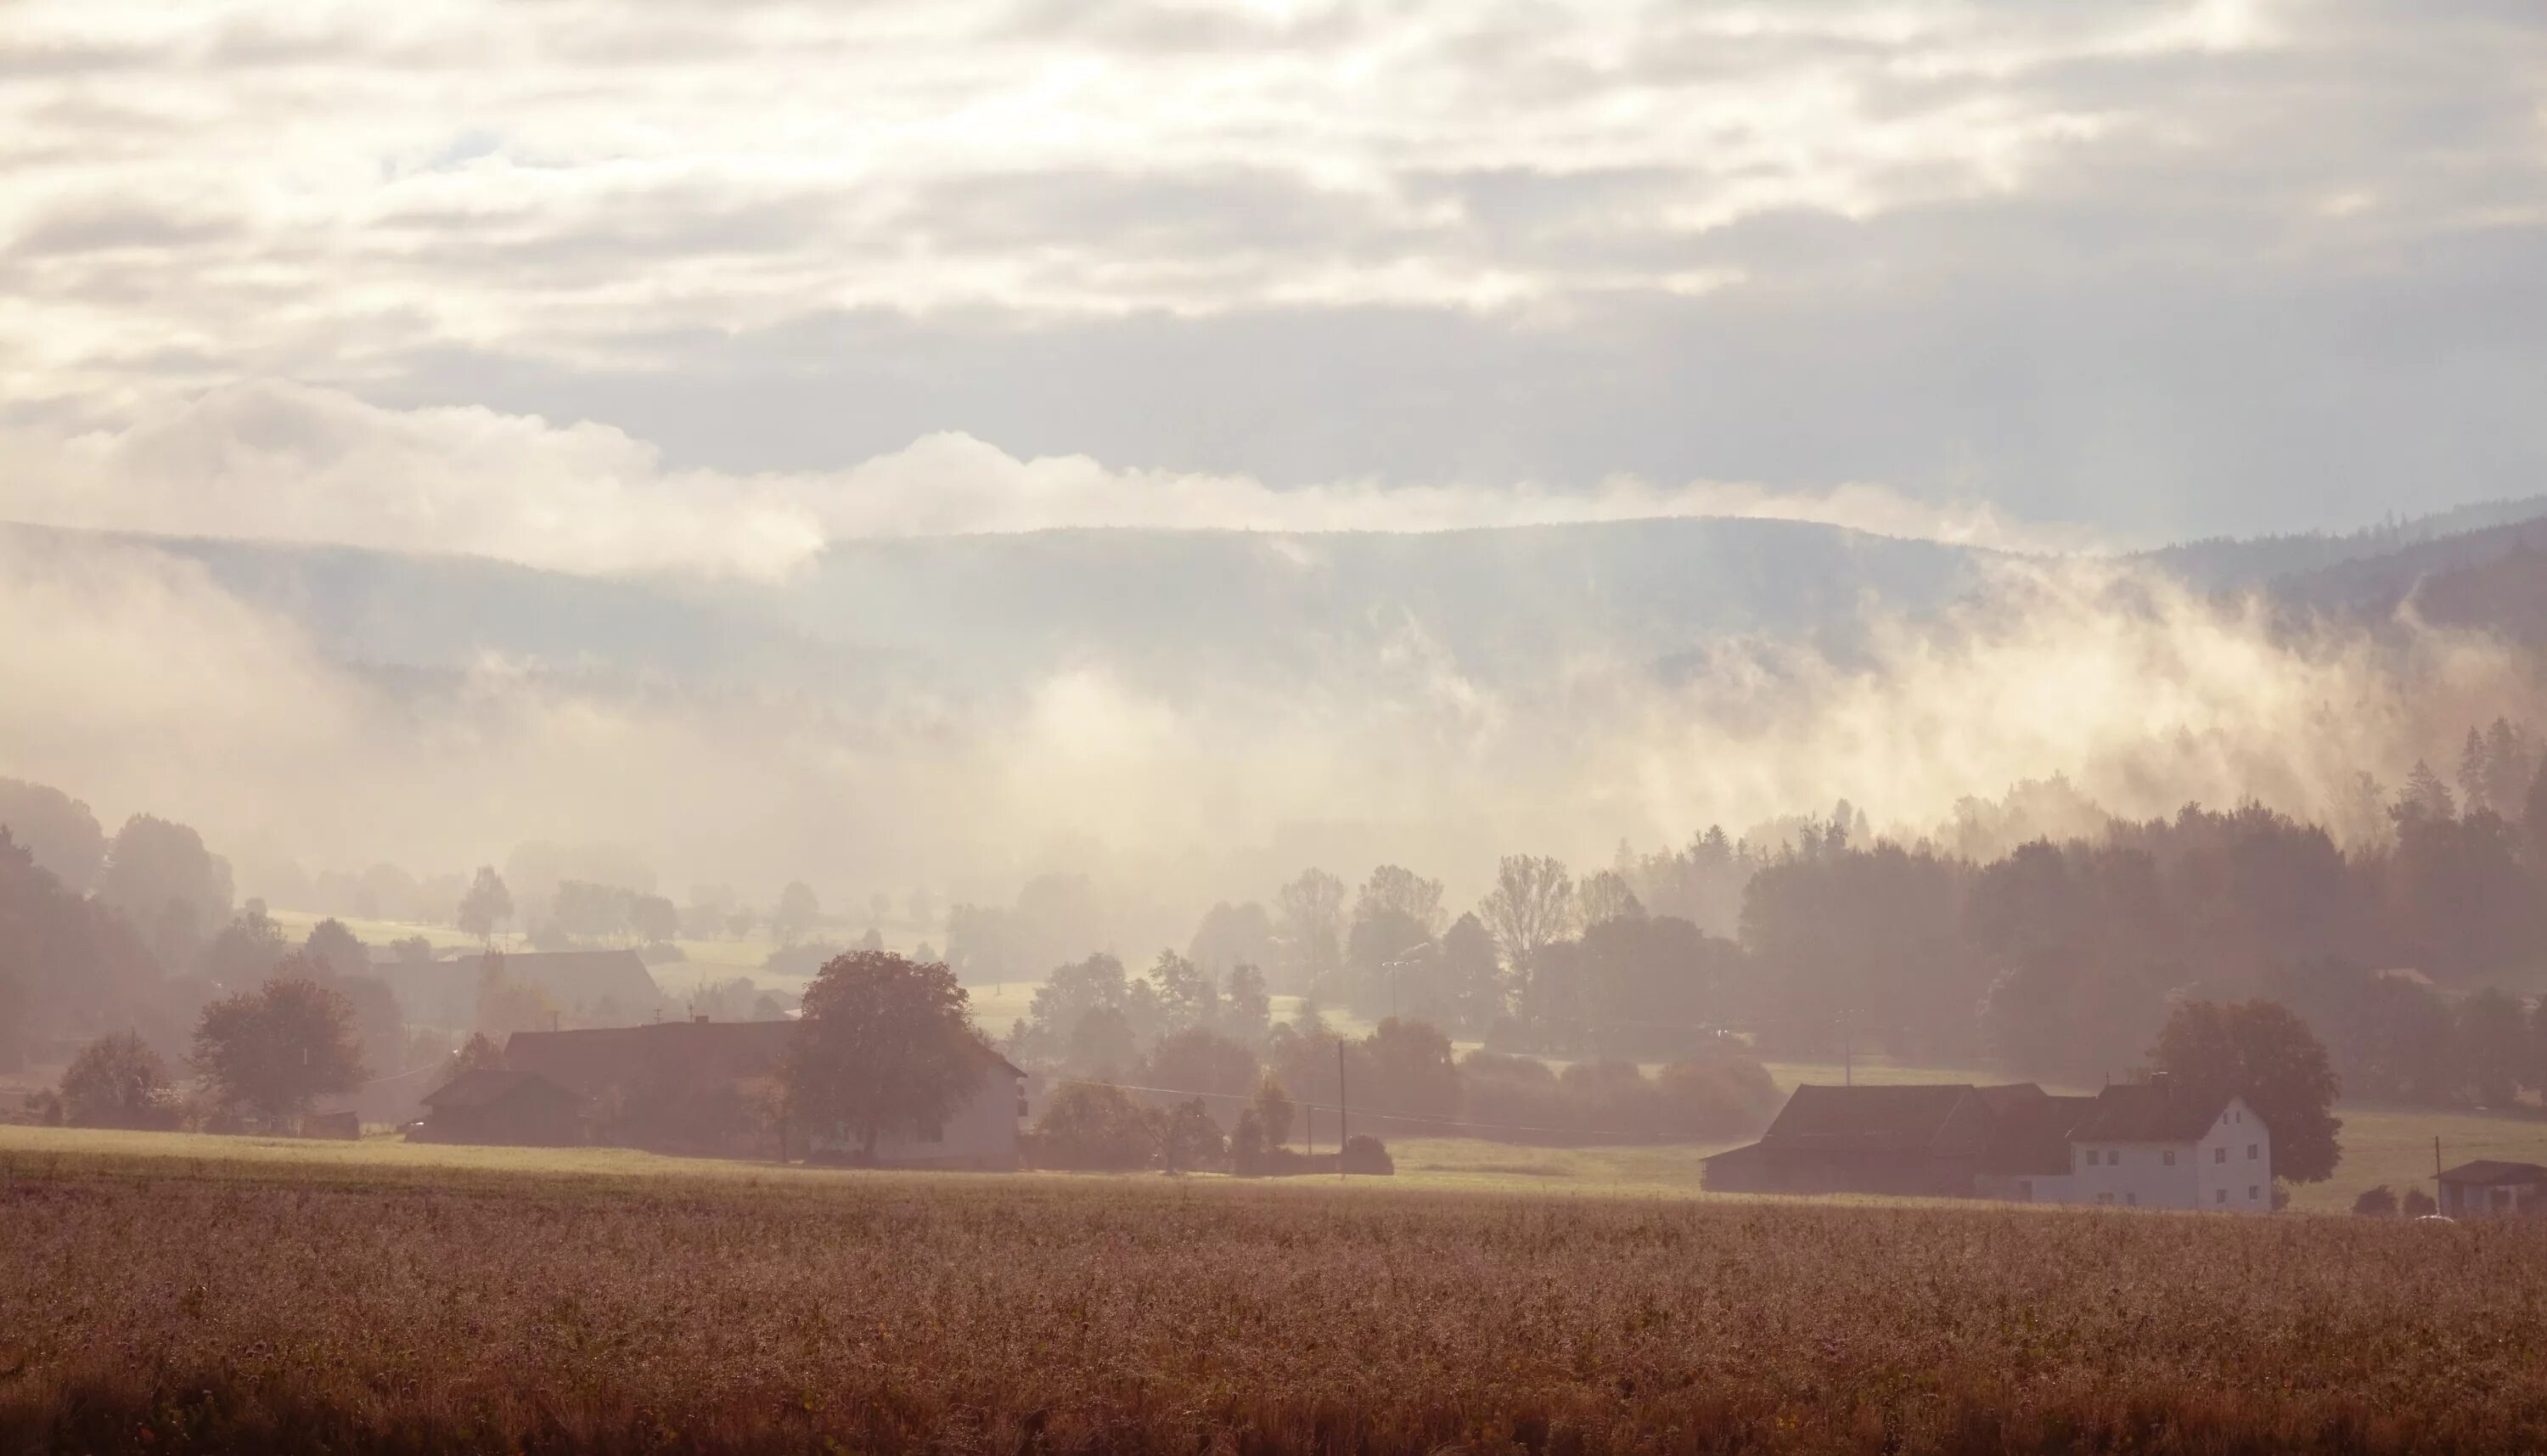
x=885, y=1045
x=116, y=1081
x=487, y=905
x=2259, y=1051
x=273, y=1050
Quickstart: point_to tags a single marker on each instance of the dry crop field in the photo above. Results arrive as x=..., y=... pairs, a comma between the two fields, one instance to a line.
x=181, y=1306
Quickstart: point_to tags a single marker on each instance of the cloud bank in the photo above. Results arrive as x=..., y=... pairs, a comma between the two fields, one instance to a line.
x=2169, y=268
x=286, y=462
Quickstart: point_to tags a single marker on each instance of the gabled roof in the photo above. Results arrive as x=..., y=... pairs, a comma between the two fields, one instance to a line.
x=484, y=1086
x=583, y=980
x=2486, y=1171
x=693, y=1052
x=2031, y=1132
x=2154, y=1111
x=1946, y=1119
x=696, y=1053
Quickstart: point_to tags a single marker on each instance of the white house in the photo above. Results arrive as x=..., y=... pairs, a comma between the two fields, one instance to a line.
x=2146, y=1145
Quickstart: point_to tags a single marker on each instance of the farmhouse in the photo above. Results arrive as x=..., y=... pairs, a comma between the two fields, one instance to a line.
x=1914, y=1141
x=2149, y=1145
x=490, y=1104
x=2141, y=1145
x=696, y=1086
x=2487, y=1188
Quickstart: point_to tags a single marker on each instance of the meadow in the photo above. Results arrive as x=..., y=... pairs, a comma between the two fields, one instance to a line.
x=248, y=1300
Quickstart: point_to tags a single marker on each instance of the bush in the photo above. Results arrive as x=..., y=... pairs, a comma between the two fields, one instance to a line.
x=2376, y=1203
x=2417, y=1203
x=1721, y=1098
x=1189, y=1140
x=1364, y=1153
x=118, y=1081
x=1093, y=1127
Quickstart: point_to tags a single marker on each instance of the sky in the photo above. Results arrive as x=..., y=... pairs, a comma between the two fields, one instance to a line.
x=668, y=284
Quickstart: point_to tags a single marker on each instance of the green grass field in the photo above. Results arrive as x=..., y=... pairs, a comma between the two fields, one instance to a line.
x=2389, y=1147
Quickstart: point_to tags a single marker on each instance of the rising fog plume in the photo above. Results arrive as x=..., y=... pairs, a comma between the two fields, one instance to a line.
x=156, y=689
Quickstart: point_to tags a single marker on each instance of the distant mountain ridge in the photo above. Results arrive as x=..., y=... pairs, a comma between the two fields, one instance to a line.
x=977, y=612
x=985, y=614
x=2224, y=562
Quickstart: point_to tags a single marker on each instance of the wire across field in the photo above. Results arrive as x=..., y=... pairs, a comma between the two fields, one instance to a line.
x=217, y=1304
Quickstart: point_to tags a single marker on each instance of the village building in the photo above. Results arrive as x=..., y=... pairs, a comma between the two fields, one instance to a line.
x=695, y=1086
x=2149, y=1145
x=2139, y=1145
x=493, y=1105
x=2487, y=1188
x=587, y=988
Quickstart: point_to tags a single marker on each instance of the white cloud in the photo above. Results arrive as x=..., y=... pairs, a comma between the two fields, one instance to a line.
x=335, y=182
x=286, y=462
x=282, y=463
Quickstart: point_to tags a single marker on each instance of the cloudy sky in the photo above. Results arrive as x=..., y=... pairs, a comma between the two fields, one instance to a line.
x=660, y=283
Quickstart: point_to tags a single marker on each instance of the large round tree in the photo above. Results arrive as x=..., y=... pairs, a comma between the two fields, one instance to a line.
x=272, y=1051
x=2259, y=1049
x=886, y=1046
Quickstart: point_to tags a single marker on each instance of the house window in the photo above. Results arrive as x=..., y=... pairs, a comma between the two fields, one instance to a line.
x=2251, y=1153
x=2220, y=1195
x=2219, y=1155
x=2250, y=1193
x=2091, y=1157
x=2167, y=1157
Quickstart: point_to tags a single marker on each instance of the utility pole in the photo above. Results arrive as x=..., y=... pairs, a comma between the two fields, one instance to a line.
x=1847, y=1054
x=1343, y=1103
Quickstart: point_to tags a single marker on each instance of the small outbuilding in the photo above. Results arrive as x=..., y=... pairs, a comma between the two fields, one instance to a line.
x=2487, y=1188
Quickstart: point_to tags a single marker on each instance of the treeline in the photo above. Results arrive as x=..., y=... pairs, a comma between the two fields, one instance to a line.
x=1178, y=1034
x=2056, y=958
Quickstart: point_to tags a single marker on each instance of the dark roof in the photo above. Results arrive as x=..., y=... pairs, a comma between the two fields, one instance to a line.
x=697, y=1053
x=2149, y=1112
x=581, y=980
x=2485, y=1170
x=484, y=1086
x=1948, y=1120
x=2030, y=1133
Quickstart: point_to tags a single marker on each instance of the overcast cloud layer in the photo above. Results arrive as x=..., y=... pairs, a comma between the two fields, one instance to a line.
x=741, y=277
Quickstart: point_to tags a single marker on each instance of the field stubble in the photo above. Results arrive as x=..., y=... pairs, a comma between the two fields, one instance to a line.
x=139, y=1309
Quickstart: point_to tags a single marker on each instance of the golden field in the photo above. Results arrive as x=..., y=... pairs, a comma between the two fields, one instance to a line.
x=353, y=1299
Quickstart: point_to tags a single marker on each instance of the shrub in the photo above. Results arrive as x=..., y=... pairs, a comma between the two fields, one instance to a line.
x=1364, y=1153
x=1189, y=1140
x=118, y=1081
x=1093, y=1128
x=1719, y=1097
x=2416, y=1203
x=2376, y=1203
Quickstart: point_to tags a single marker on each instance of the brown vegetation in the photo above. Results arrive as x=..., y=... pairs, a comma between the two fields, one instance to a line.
x=884, y=1313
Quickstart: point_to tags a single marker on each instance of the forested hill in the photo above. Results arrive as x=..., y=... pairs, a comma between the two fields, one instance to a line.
x=982, y=610
x=2399, y=549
